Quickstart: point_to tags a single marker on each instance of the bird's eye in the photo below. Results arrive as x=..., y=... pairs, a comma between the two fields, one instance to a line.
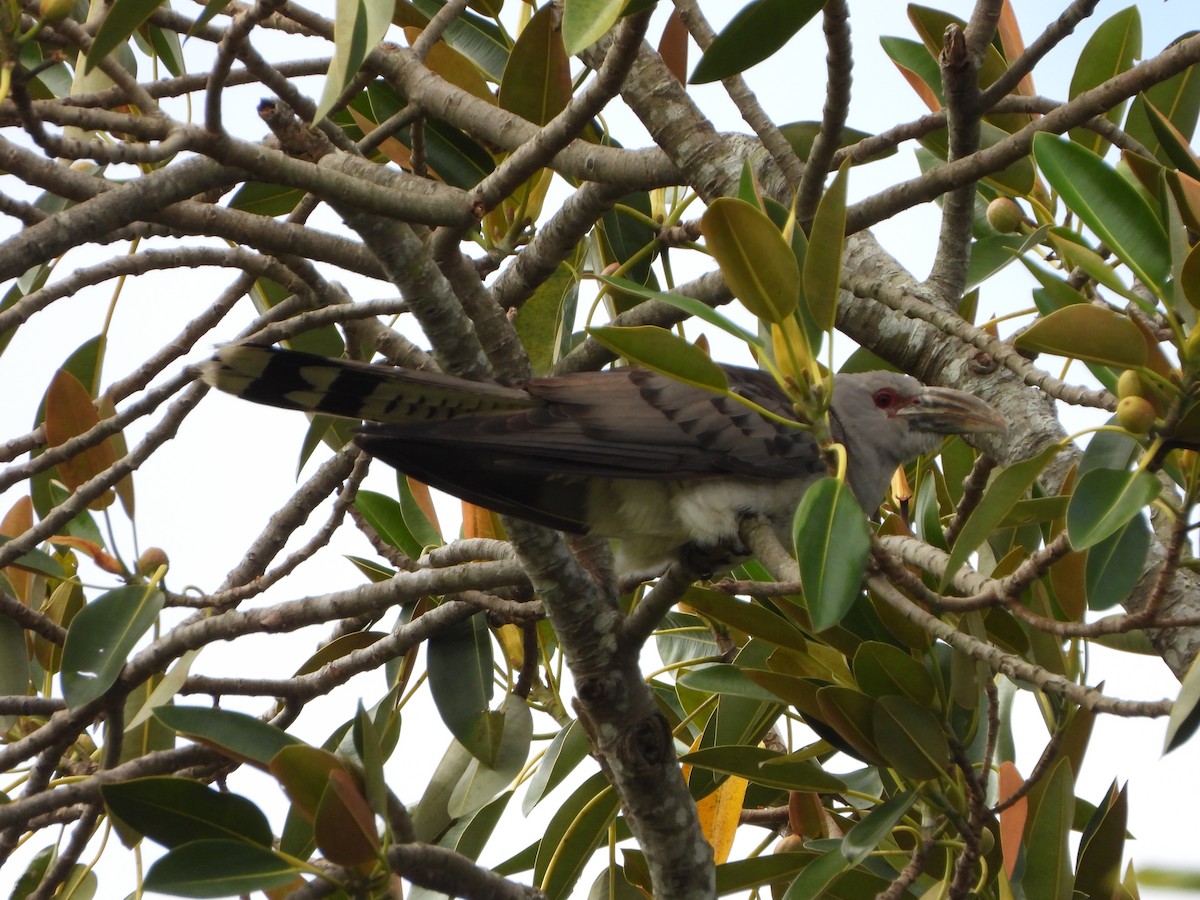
x=886, y=398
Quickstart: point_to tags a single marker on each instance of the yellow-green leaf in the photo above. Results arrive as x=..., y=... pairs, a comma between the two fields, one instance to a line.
x=823, y=261
x=1086, y=332
x=756, y=262
x=660, y=350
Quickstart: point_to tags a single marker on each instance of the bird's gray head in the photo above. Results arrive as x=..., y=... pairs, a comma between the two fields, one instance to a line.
x=886, y=419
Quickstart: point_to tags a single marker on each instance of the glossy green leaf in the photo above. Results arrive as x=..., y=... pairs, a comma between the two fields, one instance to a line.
x=1078, y=255
x=1002, y=494
x=537, y=79
x=1178, y=98
x=1047, y=856
x=576, y=829
x=482, y=782
x=174, y=811
x=1189, y=277
x=14, y=663
x=851, y=716
x=1102, y=847
x=102, y=637
x=918, y=67
x=415, y=519
x=543, y=321
x=763, y=766
x=744, y=874
x=386, y=516
x=1087, y=332
x=1185, y=711
x=873, y=828
x=756, y=262
x=753, y=619
x=188, y=871
x=689, y=305
x=1114, y=565
x=884, y=669
x=1104, y=501
x=816, y=881
x=1111, y=50
x=120, y=21
x=459, y=660
x=661, y=350
x=585, y=21
x=725, y=678
x=910, y=738
x=431, y=817
x=475, y=37
x=1174, y=146
x=567, y=750
x=235, y=734
x=1109, y=205
x=36, y=561
x=832, y=543
x=759, y=29
x=823, y=261
x=358, y=27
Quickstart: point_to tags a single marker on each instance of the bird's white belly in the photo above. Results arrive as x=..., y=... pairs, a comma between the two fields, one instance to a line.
x=655, y=518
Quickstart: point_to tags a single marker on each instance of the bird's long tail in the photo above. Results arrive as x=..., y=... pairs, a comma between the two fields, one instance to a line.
x=352, y=390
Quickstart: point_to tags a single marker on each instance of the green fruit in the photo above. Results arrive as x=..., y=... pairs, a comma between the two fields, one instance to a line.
x=1130, y=385
x=1004, y=215
x=1136, y=414
x=51, y=11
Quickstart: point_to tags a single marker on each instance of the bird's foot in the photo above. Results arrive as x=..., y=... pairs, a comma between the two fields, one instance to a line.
x=707, y=560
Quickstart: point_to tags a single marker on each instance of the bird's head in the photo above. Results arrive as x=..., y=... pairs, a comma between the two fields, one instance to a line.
x=886, y=419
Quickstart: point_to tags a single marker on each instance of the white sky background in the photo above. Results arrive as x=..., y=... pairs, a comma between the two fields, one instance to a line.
x=204, y=497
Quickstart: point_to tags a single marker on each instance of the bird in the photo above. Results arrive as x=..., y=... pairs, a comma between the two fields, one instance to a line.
x=666, y=468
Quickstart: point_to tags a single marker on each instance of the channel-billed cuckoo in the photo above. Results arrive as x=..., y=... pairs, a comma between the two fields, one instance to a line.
x=665, y=467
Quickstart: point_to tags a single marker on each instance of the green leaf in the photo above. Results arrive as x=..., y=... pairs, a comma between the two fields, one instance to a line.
x=575, y=830
x=234, y=734
x=763, y=766
x=802, y=134
x=884, y=669
x=483, y=782
x=358, y=26
x=751, y=618
x=1185, y=711
x=1114, y=565
x=568, y=749
x=1104, y=501
x=756, y=262
x=759, y=29
x=1090, y=333
x=1179, y=100
x=817, y=878
x=918, y=67
x=689, y=305
x=1102, y=847
x=459, y=660
x=823, y=261
x=832, y=543
x=537, y=79
x=102, y=637
x=866, y=834
x=910, y=738
x=658, y=349
x=122, y=20
x=1001, y=496
x=36, y=561
x=386, y=516
x=189, y=871
x=174, y=811
x=475, y=37
x=1111, y=50
x=725, y=678
x=585, y=21
x=1047, y=858
x=1110, y=206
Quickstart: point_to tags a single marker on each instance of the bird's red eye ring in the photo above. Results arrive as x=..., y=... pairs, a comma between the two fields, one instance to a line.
x=886, y=398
